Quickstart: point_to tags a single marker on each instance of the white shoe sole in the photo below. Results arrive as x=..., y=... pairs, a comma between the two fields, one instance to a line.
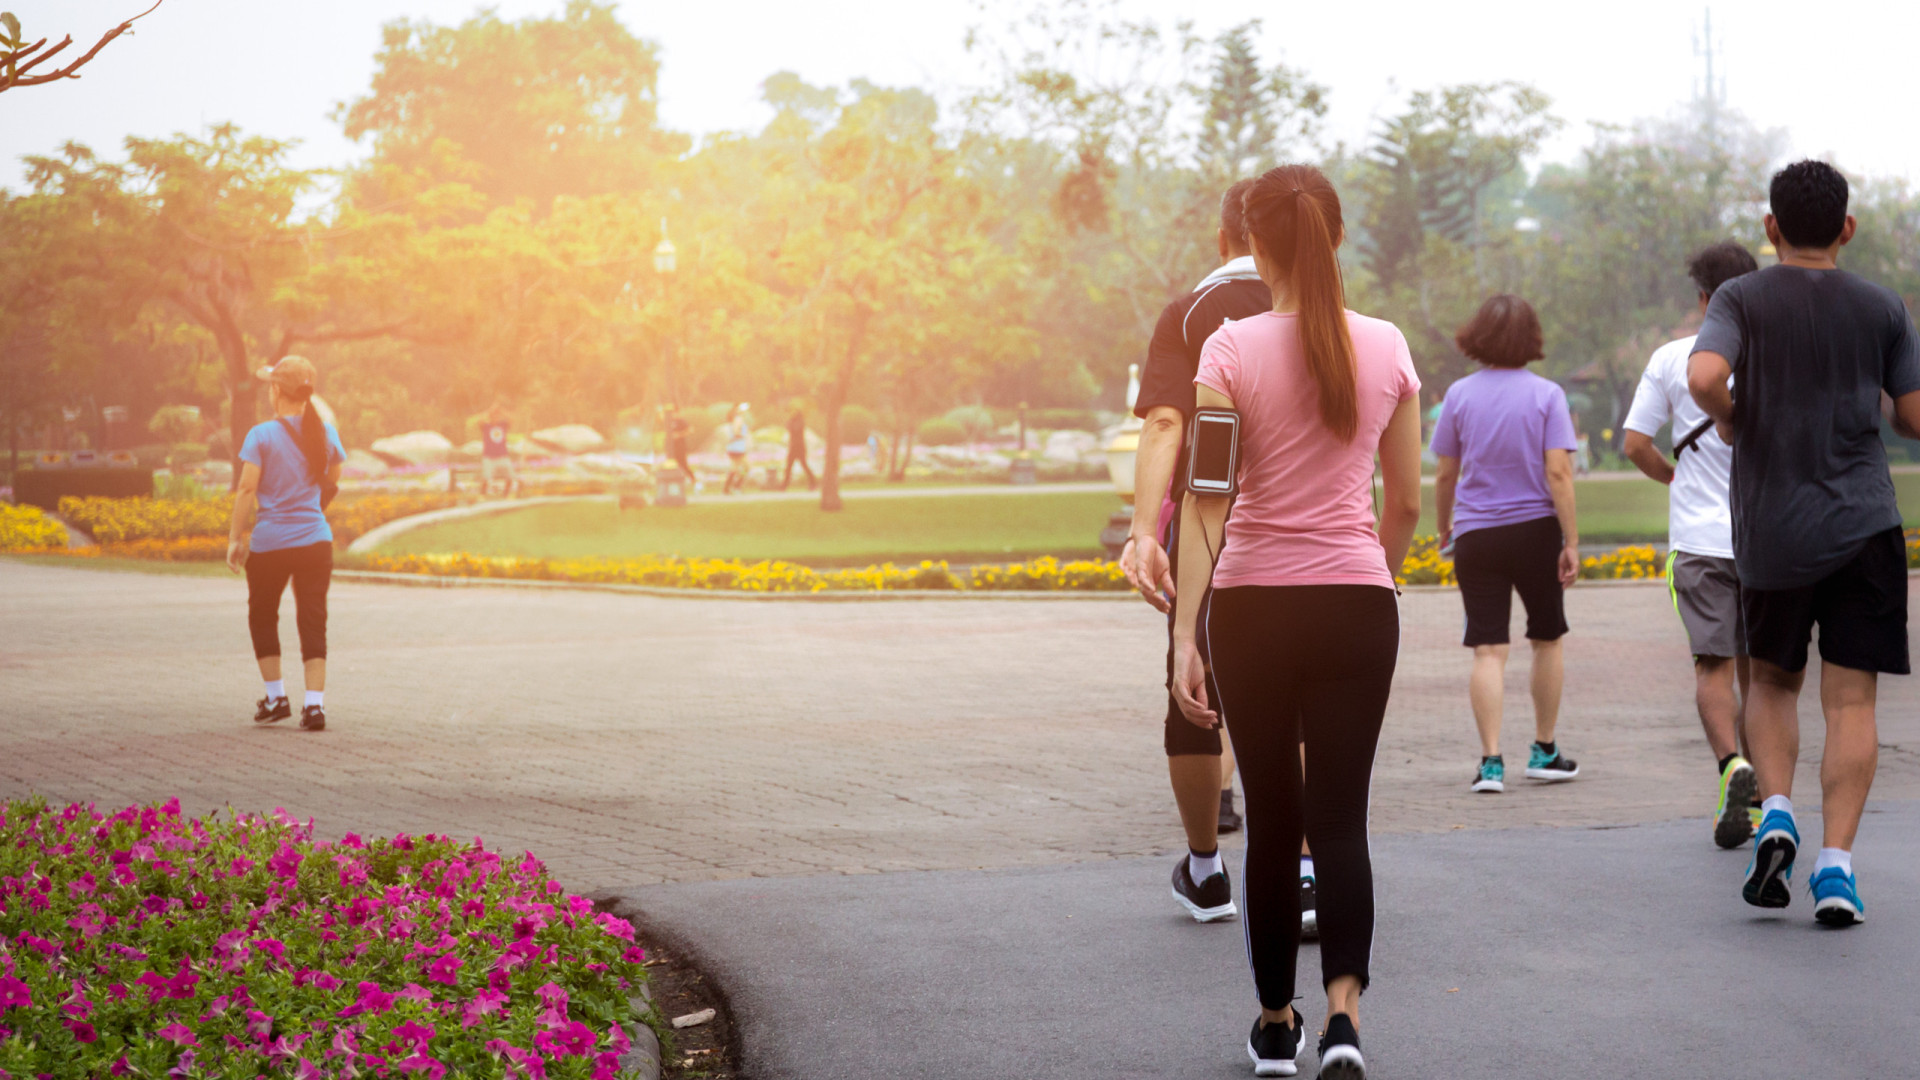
x=1271, y=1066
x=1309, y=925
x=1205, y=914
x=1342, y=1063
x=1494, y=787
x=1553, y=774
x=1838, y=912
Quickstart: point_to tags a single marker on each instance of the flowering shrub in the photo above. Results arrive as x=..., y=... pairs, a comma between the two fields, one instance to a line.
x=1637, y=561
x=25, y=528
x=775, y=577
x=1425, y=565
x=121, y=521
x=353, y=516
x=150, y=944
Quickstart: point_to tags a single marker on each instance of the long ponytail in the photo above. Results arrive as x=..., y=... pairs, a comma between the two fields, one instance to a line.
x=313, y=436
x=1294, y=212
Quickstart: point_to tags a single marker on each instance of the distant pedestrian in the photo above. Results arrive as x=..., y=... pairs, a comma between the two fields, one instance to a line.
x=1503, y=500
x=1702, y=578
x=496, y=460
x=739, y=445
x=677, y=432
x=797, y=449
x=1815, y=354
x=290, y=466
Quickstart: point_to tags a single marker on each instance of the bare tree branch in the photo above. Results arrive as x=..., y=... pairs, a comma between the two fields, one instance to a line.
x=14, y=74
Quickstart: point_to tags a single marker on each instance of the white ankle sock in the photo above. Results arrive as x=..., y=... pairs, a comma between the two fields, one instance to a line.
x=276, y=689
x=1777, y=802
x=1833, y=856
x=1306, y=866
x=314, y=697
x=1202, y=867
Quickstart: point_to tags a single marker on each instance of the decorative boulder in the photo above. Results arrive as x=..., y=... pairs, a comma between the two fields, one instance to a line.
x=570, y=439
x=364, y=463
x=415, y=448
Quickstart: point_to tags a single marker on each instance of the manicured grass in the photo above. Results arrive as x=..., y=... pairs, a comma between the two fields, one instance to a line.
x=959, y=528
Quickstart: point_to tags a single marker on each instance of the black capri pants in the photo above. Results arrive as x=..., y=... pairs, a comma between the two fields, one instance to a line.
x=310, y=568
x=1492, y=564
x=1313, y=662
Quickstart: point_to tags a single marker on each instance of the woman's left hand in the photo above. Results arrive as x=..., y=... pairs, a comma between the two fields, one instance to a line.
x=237, y=551
x=1569, y=566
x=1190, y=686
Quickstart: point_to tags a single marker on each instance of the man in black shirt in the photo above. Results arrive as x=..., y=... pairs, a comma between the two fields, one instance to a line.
x=1201, y=772
x=1814, y=353
x=797, y=448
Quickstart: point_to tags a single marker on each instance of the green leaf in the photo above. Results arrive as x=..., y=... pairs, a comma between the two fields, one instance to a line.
x=13, y=27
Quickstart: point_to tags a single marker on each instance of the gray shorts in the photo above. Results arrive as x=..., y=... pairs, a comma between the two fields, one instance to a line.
x=1706, y=593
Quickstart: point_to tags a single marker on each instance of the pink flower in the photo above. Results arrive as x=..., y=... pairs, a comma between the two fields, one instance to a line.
x=570, y=1039
x=414, y=992
x=484, y=1004
x=306, y=1071
x=415, y=1035
x=259, y=1024
x=272, y=947
x=445, y=970
x=420, y=1062
x=14, y=992
x=82, y=1030
x=635, y=955
x=619, y=928
x=474, y=908
x=372, y=999
x=185, y=1068
x=178, y=1033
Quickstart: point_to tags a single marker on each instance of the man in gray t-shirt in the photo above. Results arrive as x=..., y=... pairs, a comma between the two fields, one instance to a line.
x=1814, y=351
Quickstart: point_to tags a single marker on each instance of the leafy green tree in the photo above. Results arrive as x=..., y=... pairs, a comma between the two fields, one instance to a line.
x=539, y=108
x=1255, y=116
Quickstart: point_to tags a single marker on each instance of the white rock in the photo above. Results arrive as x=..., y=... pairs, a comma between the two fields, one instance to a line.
x=694, y=1019
x=570, y=439
x=416, y=447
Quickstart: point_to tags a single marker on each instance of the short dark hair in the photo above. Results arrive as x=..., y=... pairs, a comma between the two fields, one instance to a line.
x=1809, y=202
x=1504, y=333
x=1714, y=266
x=1233, y=213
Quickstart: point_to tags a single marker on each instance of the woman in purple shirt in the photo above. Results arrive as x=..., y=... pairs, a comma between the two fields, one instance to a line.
x=1504, y=501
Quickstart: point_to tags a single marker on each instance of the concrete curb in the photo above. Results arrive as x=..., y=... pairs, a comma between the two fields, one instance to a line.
x=373, y=538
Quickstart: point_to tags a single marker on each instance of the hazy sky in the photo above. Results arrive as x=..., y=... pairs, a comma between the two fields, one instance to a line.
x=278, y=67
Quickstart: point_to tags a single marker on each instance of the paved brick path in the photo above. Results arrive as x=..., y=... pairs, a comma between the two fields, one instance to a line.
x=629, y=739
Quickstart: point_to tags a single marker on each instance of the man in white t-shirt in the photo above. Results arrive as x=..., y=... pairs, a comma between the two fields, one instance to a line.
x=1700, y=570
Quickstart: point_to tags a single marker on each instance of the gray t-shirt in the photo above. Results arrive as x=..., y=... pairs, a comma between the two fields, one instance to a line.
x=1811, y=350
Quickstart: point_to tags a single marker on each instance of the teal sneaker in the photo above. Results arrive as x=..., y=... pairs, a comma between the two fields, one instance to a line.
x=1836, y=898
x=1491, y=776
x=1733, y=817
x=1771, y=870
x=1555, y=766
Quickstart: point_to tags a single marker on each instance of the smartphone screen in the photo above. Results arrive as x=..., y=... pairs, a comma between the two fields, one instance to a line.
x=1213, y=453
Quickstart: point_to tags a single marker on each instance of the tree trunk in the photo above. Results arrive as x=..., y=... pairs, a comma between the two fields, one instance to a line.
x=905, y=460
x=830, y=467
x=242, y=390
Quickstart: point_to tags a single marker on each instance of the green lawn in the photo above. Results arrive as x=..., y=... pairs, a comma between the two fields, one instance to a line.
x=115, y=565
x=959, y=528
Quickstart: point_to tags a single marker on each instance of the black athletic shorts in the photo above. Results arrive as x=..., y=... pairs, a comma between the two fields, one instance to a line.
x=1861, y=609
x=1492, y=564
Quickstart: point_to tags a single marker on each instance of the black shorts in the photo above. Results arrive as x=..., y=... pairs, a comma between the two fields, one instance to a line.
x=1861, y=609
x=1492, y=564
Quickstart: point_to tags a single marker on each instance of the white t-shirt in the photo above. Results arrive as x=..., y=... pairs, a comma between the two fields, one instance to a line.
x=1699, y=520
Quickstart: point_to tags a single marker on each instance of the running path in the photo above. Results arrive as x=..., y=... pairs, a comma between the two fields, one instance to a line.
x=632, y=740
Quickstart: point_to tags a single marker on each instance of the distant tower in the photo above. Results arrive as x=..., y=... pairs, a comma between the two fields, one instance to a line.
x=1710, y=92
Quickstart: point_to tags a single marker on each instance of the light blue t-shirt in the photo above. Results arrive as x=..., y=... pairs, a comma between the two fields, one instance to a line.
x=1500, y=423
x=289, y=497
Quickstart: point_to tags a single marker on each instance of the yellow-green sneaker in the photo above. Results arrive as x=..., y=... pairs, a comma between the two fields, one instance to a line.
x=1734, y=816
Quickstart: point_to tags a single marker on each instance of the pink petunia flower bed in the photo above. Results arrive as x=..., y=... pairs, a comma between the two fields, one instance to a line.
x=149, y=944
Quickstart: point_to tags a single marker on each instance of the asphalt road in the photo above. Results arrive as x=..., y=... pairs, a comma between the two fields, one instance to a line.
x=1545, y=954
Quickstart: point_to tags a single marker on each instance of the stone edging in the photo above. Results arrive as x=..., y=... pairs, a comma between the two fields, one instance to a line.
x=374, y=537
x=441, y=581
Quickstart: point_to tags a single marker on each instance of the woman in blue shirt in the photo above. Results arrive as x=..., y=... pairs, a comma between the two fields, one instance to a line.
x=280, y=534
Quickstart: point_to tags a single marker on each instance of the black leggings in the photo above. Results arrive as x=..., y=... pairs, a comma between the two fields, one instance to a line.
x=1314, y=661
x=311, y=569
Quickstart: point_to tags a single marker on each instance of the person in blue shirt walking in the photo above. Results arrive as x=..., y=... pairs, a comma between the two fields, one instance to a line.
x=290, y=466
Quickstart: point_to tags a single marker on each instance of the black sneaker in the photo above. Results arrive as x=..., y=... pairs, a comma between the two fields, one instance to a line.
x=272, y=710
x=1309, y=911
x=1340, y=1050
x=1274, y=1047
x=1209, y=901
x=313, y=718
x=1229, y=817
x=1555, y=766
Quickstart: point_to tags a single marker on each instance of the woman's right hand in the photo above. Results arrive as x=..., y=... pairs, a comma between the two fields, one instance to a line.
x=237, y=551
x=1190, y=685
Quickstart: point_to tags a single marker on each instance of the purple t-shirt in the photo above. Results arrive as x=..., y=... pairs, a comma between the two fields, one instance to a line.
x=1500, y=423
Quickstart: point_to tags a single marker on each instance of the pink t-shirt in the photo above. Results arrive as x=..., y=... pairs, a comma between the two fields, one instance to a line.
x=1304, y=515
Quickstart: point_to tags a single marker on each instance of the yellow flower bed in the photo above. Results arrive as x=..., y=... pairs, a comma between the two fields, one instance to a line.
x=25, y=528
x=113, y=521
x=1635, y=561
x=766, y=576
x=1425, y=565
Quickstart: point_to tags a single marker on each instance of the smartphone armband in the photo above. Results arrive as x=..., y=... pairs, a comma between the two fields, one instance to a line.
x=1213, y=452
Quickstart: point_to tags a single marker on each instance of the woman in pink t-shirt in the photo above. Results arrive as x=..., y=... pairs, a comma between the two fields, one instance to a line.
x=1303, y=620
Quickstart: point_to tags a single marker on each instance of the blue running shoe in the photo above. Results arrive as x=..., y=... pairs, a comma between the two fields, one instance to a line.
x=1770, y=873
x=1491, y=775
x=1836, y=898
x=1542, y=765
